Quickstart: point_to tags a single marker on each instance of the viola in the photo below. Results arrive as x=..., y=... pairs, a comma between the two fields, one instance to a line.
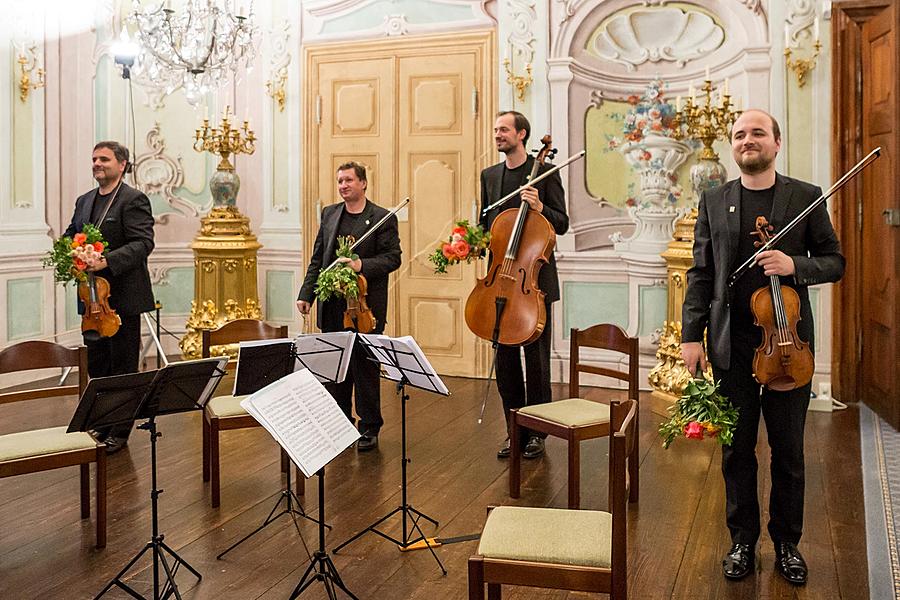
x=358, y=315
x=99, y=319
x=783, y=361
x=507, y=306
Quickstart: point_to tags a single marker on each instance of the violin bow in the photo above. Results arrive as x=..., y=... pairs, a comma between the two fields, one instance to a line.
x=531, y=182
x=865, y=162
x=371, y=230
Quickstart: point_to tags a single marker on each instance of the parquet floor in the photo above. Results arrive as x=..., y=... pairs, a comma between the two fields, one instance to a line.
x=676, y=535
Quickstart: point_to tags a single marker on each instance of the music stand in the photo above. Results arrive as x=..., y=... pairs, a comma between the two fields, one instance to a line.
x=177, y=387
x=260, y=363
x=403, y=361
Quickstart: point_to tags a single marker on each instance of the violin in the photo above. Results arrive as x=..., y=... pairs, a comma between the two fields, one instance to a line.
x=507, y=306
x=358, y=315
x=783, y=361
x=99, y=319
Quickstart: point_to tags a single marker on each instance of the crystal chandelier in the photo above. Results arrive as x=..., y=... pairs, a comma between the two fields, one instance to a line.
x=196, y=48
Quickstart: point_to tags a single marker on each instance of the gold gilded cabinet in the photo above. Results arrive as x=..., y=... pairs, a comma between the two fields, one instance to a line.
x=225, y=284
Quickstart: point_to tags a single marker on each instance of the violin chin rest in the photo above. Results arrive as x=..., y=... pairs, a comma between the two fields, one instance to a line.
x=91, y=335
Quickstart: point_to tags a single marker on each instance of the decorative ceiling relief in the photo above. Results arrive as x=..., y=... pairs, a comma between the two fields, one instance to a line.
x=396, y=25
x=521, y=38
x=159, y=174
x=655, y=34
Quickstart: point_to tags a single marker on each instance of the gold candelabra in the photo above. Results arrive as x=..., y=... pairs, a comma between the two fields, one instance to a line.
x=28, y=65
x=519, y=82
x=275, y=88
x=225, y=140
x=802, y=66
x=707, y=122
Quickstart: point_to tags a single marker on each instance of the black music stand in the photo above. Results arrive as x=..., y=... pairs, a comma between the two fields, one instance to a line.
x=263, y=362
x=177, y=387
x=402, y=361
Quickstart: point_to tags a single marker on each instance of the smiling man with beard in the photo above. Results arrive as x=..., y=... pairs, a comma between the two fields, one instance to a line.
x=808, y=255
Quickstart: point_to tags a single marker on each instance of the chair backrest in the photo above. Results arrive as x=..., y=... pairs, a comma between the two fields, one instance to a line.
x=606, y=337
x=240, y=330
x=26, y=356
x=623, y=436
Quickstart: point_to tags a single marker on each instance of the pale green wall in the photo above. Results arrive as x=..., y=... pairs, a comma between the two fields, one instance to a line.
x=177, y=291
x=280, y=294
x=652, y=308
x=24, y=308
x=588, y=303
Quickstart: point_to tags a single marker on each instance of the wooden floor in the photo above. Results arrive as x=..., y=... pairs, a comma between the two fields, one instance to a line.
x=676, y=536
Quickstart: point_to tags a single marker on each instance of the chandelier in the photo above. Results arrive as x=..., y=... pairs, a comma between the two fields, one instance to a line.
x=195, y=48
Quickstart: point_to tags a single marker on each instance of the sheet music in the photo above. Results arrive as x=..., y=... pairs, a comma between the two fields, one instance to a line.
x=402, y=356
x=303, y=417
x=326, y=355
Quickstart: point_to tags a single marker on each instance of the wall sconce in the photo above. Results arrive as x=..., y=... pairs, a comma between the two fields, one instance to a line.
x=276, y=87
x=802, y=66
x=28, y=66
x=519, y=82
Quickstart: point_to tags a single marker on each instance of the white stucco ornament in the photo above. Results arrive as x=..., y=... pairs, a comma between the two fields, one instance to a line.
x=656, y=34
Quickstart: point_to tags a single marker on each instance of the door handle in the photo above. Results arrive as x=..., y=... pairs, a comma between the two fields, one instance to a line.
x=891, y=216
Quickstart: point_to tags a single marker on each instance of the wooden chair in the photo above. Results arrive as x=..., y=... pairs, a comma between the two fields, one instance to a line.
x=575, y=419
x=53, y=448
x=558, y=548
x=224, y=413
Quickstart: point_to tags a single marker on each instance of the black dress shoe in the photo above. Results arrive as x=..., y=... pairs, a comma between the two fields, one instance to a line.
x=534, y=448
x=367, y=442
x=115, y=444
x=738, y=563
x=789, y=562
x=504, y=450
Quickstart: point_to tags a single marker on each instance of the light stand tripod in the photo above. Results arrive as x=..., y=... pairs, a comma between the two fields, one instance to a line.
x=408, y=514
x=321, y=567
x=156, y=543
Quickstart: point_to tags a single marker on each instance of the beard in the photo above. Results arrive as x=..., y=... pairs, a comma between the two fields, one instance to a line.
x=754, y=165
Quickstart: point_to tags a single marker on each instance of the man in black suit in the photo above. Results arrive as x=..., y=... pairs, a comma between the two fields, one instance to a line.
x=511, y=132
x=808, y=255
x=379, y=255
x=124, y=217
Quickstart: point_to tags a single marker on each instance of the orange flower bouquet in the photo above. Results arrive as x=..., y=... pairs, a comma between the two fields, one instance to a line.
x=700, y=412
x=466, y=243
x=70, y=257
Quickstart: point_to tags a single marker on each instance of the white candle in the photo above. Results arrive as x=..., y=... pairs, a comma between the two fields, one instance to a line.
x=691, y=92
x=816, y=29
x=787, y=36
x=678, y=103
x=707, y=73
x=726, y=87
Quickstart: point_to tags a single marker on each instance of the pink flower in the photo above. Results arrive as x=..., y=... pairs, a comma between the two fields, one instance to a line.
x=98, y=246
x=447, y=251
x=694, y=431
x=459, y=231
x=460, y=249
x=79, y=238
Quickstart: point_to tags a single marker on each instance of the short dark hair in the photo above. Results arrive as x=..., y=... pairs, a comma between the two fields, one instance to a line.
x=776, y=130
x=519, y=121
x=119, y=151
x=359, y=169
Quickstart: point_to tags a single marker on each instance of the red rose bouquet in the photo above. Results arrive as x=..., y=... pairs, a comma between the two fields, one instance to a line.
x=70, y=257
x=700, y=412
x=466, y=242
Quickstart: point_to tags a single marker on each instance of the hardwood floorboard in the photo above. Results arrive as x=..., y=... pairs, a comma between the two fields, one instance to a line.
x=677, y=533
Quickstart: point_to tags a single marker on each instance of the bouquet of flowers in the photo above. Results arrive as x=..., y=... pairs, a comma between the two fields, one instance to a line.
x=341, y=281
x=648, y=114
x=70, y=257
x=466, y=242
x=701, y=411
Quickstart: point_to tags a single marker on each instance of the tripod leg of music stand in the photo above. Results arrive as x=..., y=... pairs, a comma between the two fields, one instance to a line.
x=117, y=580
x=180, y=560
x=415, y=523
x=372, y=529
x=423, y=515
x=336, y=578
x=170, y=588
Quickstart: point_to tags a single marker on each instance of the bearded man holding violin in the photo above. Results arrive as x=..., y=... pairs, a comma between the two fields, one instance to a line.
x=809, y=254
x=511, y=133
x=379, y=255
x=125, y=219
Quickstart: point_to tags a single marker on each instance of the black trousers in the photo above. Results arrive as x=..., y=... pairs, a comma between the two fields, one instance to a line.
x=785, y=417
x=514, y=390
x=116, y=355
x=363, y=376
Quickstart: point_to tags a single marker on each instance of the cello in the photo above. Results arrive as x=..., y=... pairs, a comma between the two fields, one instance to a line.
x=507, y=306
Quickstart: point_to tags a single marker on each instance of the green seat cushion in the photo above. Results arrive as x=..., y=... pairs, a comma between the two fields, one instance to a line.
x=571, y=412
x=41, y=442
x=549, y=535
x=226, y=406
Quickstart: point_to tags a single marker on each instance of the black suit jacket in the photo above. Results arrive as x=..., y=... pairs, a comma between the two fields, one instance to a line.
x=812, y=244
x=552, y=196
x=380, y=255
x=128, y=227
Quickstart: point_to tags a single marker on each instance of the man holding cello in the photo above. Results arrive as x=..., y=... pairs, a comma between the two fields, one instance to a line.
x=511, y=133
x=810, y=254
x=124, y=217
x=379, y=255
